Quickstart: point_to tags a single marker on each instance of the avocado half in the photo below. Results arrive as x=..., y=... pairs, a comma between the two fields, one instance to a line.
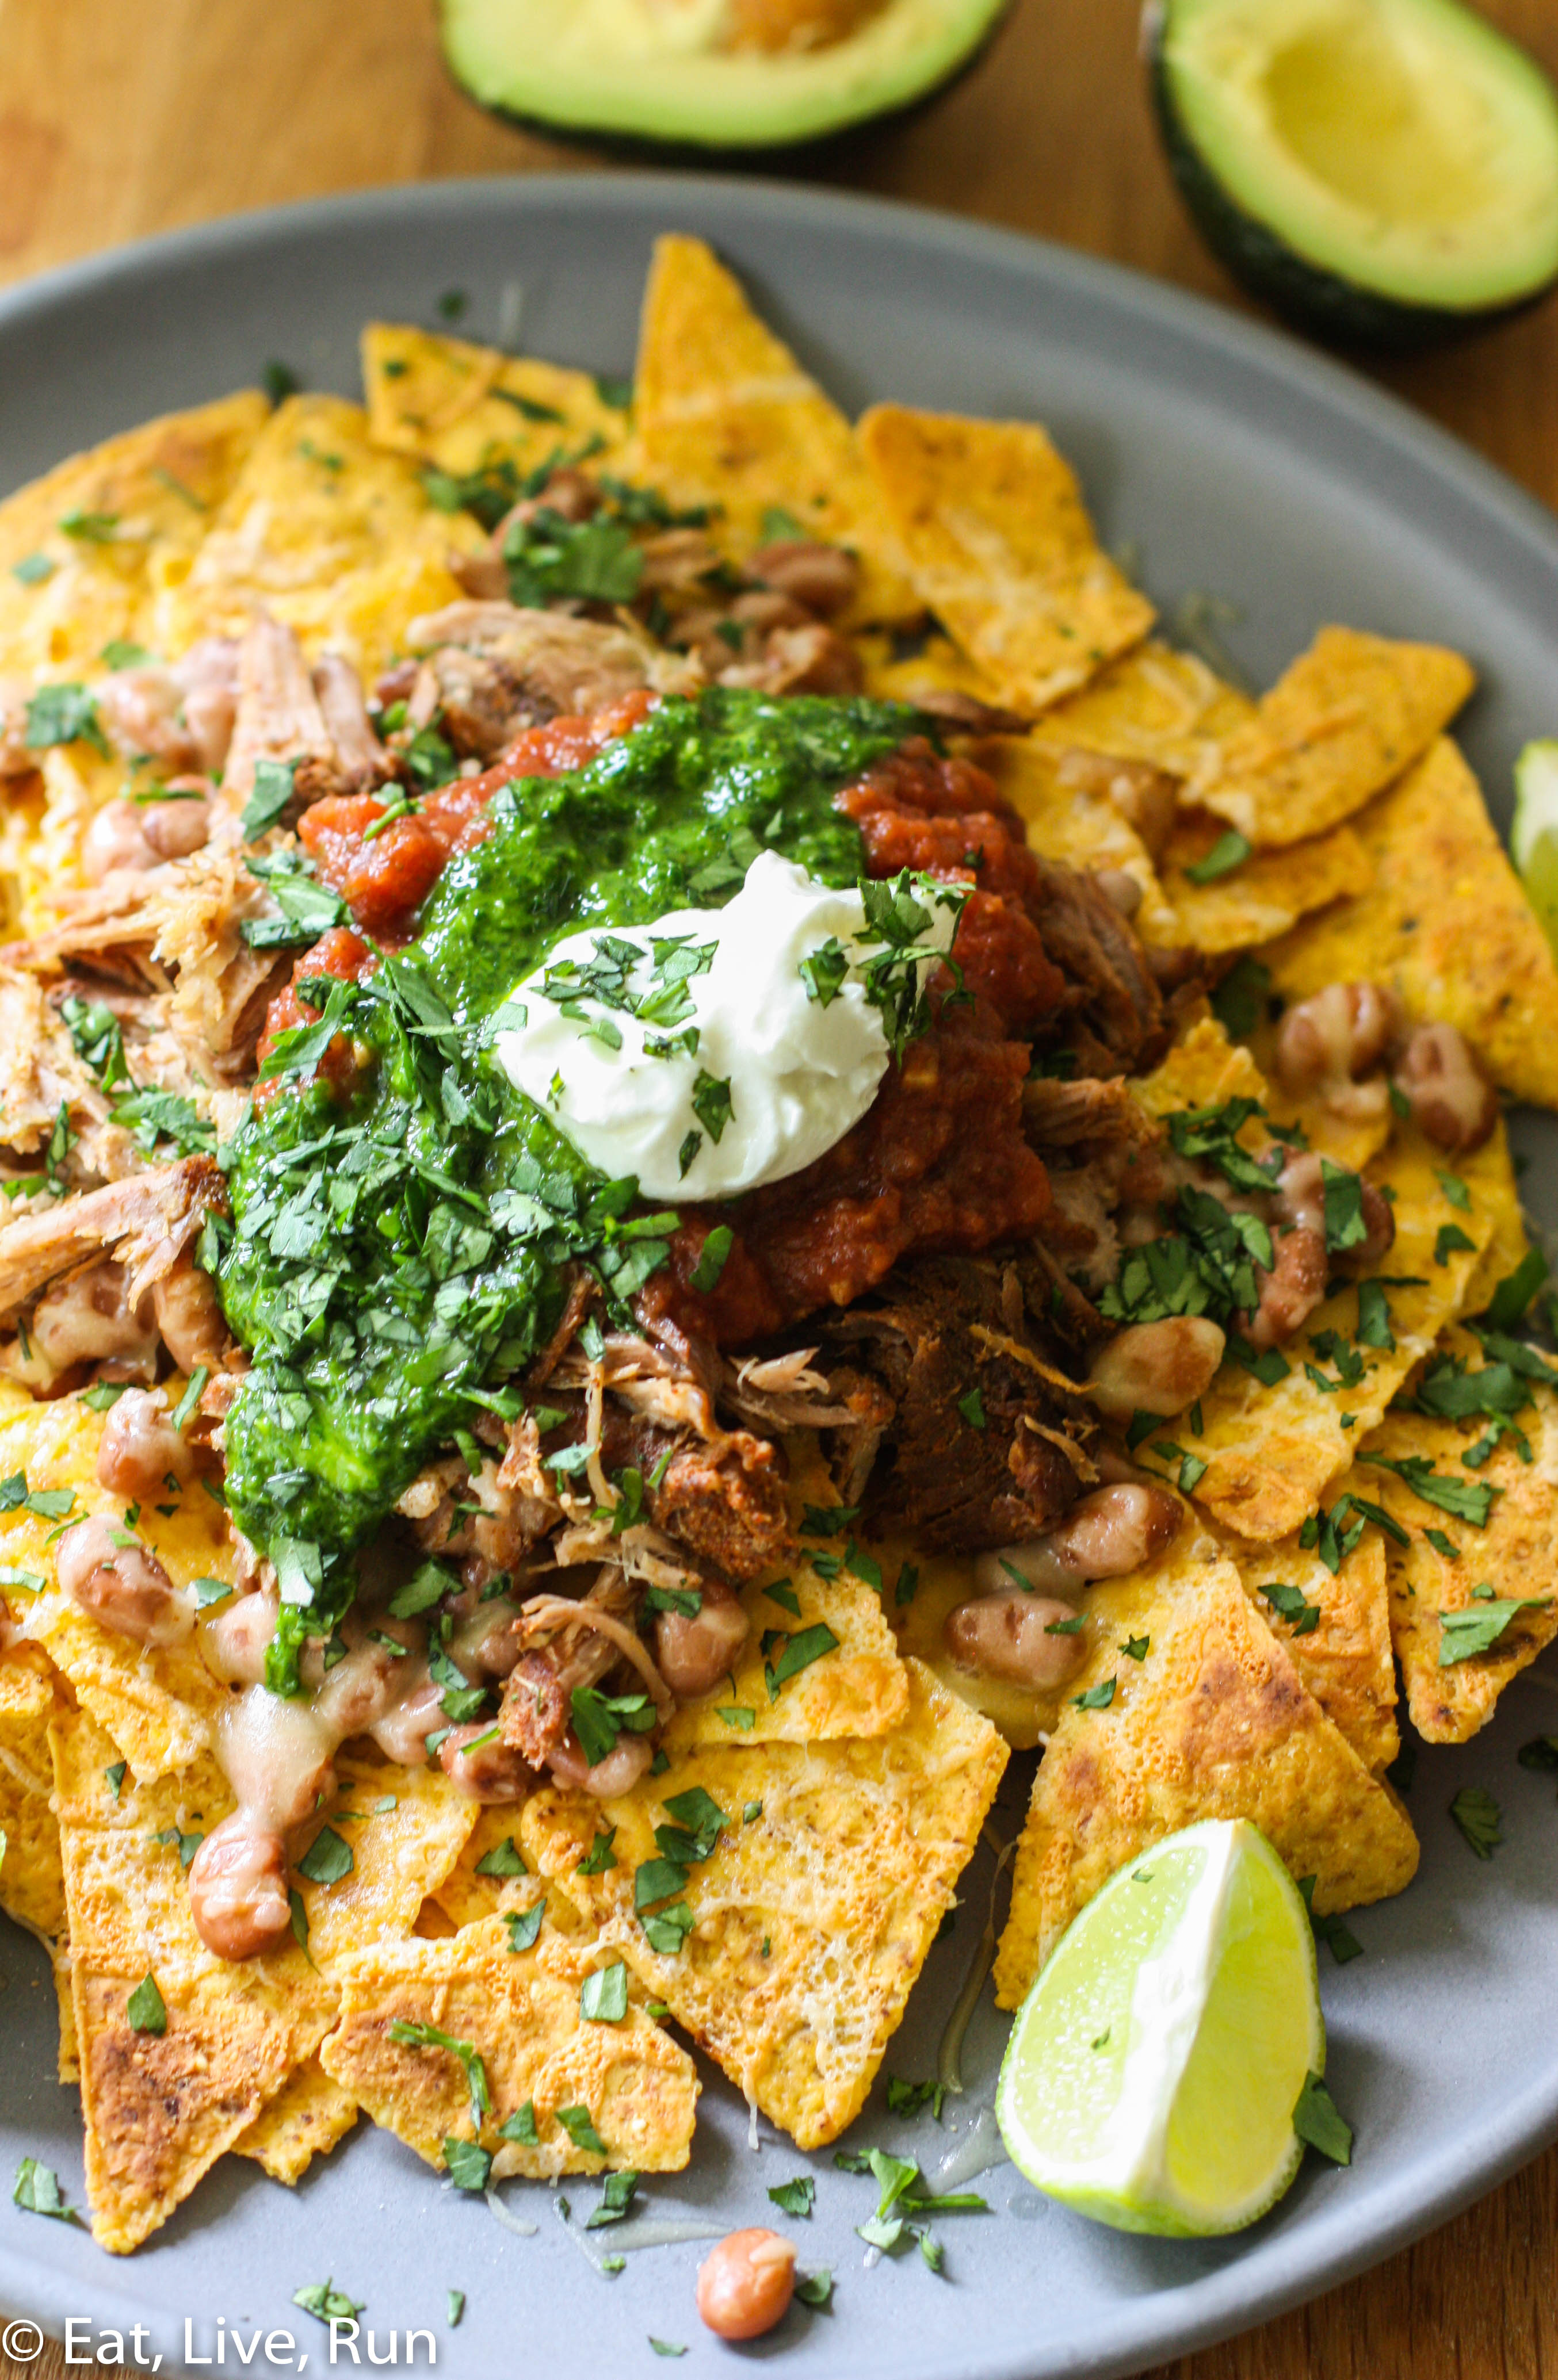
x=722, y=74
x=1382, y=172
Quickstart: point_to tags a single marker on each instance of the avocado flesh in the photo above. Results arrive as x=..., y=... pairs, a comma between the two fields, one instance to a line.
x=1381, y=168
x=645, y=70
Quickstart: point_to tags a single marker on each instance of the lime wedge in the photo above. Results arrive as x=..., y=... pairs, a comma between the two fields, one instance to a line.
x=1153, y=2070
x=1533, y=838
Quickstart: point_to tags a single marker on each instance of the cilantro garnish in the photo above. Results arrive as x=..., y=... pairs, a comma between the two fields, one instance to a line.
x=1480, y=1820
x=1465, y=1500
x=467, y=2163
x=271, y=793
x=327, y=1859
x=784, y=1656
x=326, y=2302
x=600, y=1856
x=145, y=2008
x=427, y=2036
x=524, y=1926
x=797, y=2197
x=711, y=1256
x=1230, y=851
x=600, y=1718
x=579, y=2126
x=616, y=2199
x=504, y=1859
x=906, y=2098
x=37, y=2191
x=1289, y=1604
x=1239, y=1001
x=1319, y=2125
x=1515, y=1291
x=1097, y=1698
x=521, y=2127
x=603, y=1995
x=1478, y=1628
x=64, y=714
x=96, y=1038
x=1450, y=1241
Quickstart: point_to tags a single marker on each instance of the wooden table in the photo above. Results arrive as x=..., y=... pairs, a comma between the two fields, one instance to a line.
x=119, y=117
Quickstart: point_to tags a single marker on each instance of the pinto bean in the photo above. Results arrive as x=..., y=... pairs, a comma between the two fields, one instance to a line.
x=1120, y=889
x=1116, y=1530
x=1157, y=1368
x=87, y=1320
x=1291, y=1290
x=746, y=2282
x=174, y=829
x=1329, y=1042
x=402, y=1733
x=115, y=843
x=617, y=1773
x=1009, y=1636
x=694, y=1652
x=188, y=1316
x=121, y=1586
x=236, y=1639
x=492, y=1772
x=140, y=1450
x=1454, y=1104
x=823, y=577
x=238, y=1888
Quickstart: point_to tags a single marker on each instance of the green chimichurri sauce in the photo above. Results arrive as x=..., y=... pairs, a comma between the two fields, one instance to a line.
x=394, y=1260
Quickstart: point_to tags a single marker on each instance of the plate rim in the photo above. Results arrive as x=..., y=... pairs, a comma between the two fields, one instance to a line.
x=1329, y=2249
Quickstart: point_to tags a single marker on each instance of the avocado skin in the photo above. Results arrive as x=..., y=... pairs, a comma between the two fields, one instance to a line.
x=729, y=143
x=1340, y=312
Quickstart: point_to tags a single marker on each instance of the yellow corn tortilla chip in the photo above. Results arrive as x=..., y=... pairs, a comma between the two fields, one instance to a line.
x=1516, y=1554
x=813, y=1915
x=519, y=2011
x=1075, y=823
x=1266, y=895
x=1446, y=926
x=1153, y=704
x=32, y=1880
x=305, y=2120
x=1273, y=1454
x=401, y=1854
x=467, y=1894
x=160, y=2108
x=70, y=2068
x=1214, y=1722
x=859, y=1688
x=139, y=506
x=723, y=414
x=1344, y=720
x=934, y=666
x=1000, y=547
x=1204, y=1069
x=158, y=1704
x=462, y=407
x=332, y=536
x=1343, y=1657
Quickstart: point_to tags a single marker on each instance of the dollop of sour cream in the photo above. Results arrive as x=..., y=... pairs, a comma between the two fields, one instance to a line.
x=716, y=1050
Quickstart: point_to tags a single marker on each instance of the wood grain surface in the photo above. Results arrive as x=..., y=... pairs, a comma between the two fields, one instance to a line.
x=120, y=117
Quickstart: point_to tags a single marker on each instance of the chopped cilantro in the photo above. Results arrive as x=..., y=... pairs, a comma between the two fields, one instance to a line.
x=1097, y=1698
x=616, y=2199
x=797, y=2197
x=1288, y=1602
x=524, y=1925
x=1450, y=1241
x=115, y=1777
x=579, y=2126
x=504, y=1859
x=326, y=2302
x=1464, y=1499
x=1374, y=1316
x=521, y=2127
x=427, y=2036
x=1230, y=851
x=64, y=714
x=467, y=2163
x=145, y=2008
x=1480, y=1820
x=603, y=1995
x=711, y=1256
x=1239, y=1001
x=1319, y=2125
x=972, y=1407
x=1454, y=1189
x=327, y=1859
x=1515, y=1291
x=793, y=1654
x=37, y=2191
x=907, y=2098
x=1135, y=1648
x=600, y=1856
x=1477, y=1629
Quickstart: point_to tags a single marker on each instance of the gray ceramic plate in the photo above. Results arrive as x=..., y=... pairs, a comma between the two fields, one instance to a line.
x=1234, y=463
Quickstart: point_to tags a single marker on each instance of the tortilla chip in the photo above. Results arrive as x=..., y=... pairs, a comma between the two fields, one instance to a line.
x=159, y=1703
x=859, y=1689
x=401, y=1854
x=1204, y=1069
x=161, y=2108
x=1273, y=1452
x=140, y=505
x=461, y=406
x=332, y=536
x=305, y=2120
x=1214, y=1722
x=1343, y=1657
x=1153, y=704
x=467, y=1895
x=520, y=2012
x=1516, y=1555
x=1266, y=895
x=855, y=1844
x=32, y=1880
x=1446, y=927
x=69, y=2066
x=1000, y=547
x=932, y=664
x=724, y=415
x=1344, y=718
x=1075, y=822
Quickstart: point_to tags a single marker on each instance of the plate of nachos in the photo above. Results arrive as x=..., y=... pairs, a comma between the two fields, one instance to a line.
x=748, y=1222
